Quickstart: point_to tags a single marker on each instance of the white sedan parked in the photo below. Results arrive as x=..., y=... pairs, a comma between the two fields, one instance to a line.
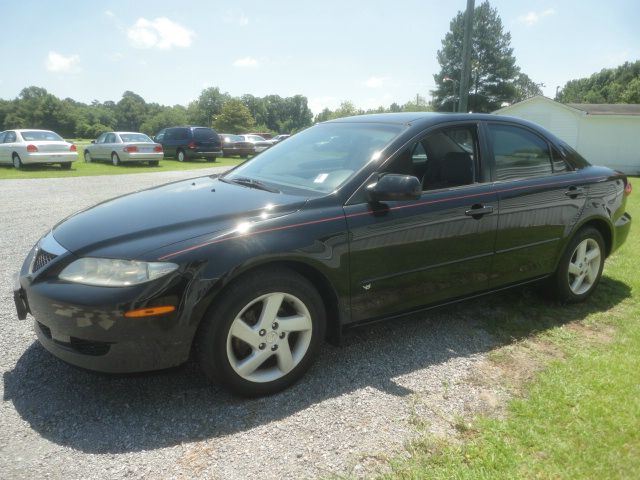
x=124, y=147
x=25, y=147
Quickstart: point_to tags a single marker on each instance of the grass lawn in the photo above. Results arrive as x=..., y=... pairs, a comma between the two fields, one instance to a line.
x=81, y=169
x=580, y=415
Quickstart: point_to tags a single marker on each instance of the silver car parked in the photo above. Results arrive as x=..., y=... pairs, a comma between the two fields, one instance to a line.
x=29, y=146
x=124, y=147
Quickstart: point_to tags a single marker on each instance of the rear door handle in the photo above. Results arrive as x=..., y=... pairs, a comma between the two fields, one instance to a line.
x=478, y=210
x=574, y=192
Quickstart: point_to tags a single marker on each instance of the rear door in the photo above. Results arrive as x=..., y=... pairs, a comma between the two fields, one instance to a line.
x=406, y=254
x=540, y=198
x=206, y=140
x=4, y=154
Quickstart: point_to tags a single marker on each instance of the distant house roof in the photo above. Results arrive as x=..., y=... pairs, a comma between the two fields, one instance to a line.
x=607, y=108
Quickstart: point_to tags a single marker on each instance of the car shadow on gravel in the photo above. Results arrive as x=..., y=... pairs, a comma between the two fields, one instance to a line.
x=115, y=414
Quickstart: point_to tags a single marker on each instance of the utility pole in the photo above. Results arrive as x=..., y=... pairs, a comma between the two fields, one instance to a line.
x=466, y=58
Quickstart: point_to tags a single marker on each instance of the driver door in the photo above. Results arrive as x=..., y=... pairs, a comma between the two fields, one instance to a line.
x=407, y=254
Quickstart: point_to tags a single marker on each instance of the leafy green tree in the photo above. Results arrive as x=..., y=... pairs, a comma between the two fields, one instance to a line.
x=130, y=112
x=165, y=117
x=493, y=66
x=234, y=118
x=610, y=85
x=209, y=104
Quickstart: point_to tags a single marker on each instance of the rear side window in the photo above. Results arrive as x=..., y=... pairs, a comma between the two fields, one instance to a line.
x=204, y=135
x=519, y=153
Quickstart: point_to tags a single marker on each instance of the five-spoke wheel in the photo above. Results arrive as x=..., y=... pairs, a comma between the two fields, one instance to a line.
x=263, y=333
x=580, y=267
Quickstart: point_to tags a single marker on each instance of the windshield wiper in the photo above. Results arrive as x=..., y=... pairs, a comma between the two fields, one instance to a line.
x=250, y=182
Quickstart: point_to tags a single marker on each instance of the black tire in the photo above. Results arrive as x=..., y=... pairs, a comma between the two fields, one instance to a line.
x=154, y=163
x=17, y=163
x=180, y=155
x=563, y=283
x=65, y=166
x=87, y=156
x=211, y=159
x=218, y=351
x=115, y=159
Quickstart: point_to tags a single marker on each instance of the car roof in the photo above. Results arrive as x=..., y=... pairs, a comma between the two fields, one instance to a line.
x=136, y=133
x=29, y=130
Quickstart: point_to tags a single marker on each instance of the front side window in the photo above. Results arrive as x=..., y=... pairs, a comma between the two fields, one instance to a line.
x=518, y=153
x=2, y=134
x=10, y=137
x=445, y=158
x=321, y=158
x=102, y=138
x=111, y=138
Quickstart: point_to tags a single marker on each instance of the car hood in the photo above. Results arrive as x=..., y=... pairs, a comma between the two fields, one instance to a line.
x=128, y=226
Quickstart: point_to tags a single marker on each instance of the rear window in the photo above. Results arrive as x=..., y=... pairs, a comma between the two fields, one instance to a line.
x=36, y=135
x=204, y=135
x=135, y=137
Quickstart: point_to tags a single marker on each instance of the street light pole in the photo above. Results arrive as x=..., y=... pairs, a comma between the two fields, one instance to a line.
x=466, y=57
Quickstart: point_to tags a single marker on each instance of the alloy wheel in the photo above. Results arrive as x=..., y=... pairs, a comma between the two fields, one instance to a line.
x=584, y=266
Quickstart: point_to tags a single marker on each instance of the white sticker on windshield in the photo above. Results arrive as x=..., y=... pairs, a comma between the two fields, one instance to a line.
x=321, y=178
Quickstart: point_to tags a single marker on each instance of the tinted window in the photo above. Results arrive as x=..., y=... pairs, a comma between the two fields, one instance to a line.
x=182, y=134
x=557, y=160
x=204, y=135
x=35, y=135
x=442, y=159
x=518, y=153
x=573, y=157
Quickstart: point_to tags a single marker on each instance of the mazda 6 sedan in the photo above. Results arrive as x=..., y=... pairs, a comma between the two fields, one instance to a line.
x=349, y=221
x=119, y=147
x=31, y=147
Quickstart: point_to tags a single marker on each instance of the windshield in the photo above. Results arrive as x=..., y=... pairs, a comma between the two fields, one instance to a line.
x=39, y=135
x=320, y=158
x=135, y=137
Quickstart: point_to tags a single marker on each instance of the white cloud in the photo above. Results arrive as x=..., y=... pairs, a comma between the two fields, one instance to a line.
x=375, y=82
x=531, y=18
x=159, y=33
x=244, y=20
x=109, y=13
x=59, y=63
x=246, y=62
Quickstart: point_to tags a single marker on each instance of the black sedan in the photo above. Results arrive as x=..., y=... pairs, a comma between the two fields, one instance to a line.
x=350, y=221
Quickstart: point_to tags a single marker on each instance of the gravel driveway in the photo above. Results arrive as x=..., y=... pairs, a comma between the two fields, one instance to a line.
x=359, y=402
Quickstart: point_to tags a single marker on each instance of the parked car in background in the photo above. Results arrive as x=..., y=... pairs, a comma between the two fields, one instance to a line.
x=29, y=146
x=233, y=145
x=121, y=147
x=278, y=139
x=189, y=142
x=265, y=135
x=259, y=143
x=350, y=221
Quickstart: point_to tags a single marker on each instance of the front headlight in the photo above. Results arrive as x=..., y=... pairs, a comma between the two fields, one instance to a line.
x=105, y=272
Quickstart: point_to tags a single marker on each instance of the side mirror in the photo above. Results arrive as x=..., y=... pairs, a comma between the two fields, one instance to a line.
x=93, y=141
x=394, y=187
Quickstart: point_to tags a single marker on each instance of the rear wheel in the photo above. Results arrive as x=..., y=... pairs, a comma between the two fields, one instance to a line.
x=17, y=163
x=87, y=156
x=154, y=163
x=115, y=159
x=211, y=159
x=180, y=156
x=580, y=267
x=264, y=333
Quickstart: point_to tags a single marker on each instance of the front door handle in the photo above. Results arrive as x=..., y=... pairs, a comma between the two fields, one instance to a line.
x=478, y=210
x=574, y=192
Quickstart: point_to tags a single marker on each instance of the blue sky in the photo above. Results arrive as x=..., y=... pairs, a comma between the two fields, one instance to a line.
x=371, y=53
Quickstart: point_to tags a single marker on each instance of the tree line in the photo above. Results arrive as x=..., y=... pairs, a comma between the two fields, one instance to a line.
x=35, y=107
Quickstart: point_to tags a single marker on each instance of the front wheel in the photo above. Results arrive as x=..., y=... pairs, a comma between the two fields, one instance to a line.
x=87, y=156
x=115, y=159
x=264, y=333
x=580, y=267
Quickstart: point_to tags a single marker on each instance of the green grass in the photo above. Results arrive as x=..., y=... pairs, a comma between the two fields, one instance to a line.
x=82, y=169
x=579, y=417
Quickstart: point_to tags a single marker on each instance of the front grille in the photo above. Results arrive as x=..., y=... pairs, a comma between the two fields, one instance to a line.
x=42, y=260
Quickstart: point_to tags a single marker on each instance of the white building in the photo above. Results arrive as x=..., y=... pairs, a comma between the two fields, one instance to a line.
x=605, y=134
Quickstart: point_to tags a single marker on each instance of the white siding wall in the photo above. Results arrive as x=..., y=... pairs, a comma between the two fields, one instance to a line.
x=555, y=118
x=611, y=140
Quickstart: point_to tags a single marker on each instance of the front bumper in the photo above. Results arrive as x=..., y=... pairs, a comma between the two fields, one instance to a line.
x=85, y=325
